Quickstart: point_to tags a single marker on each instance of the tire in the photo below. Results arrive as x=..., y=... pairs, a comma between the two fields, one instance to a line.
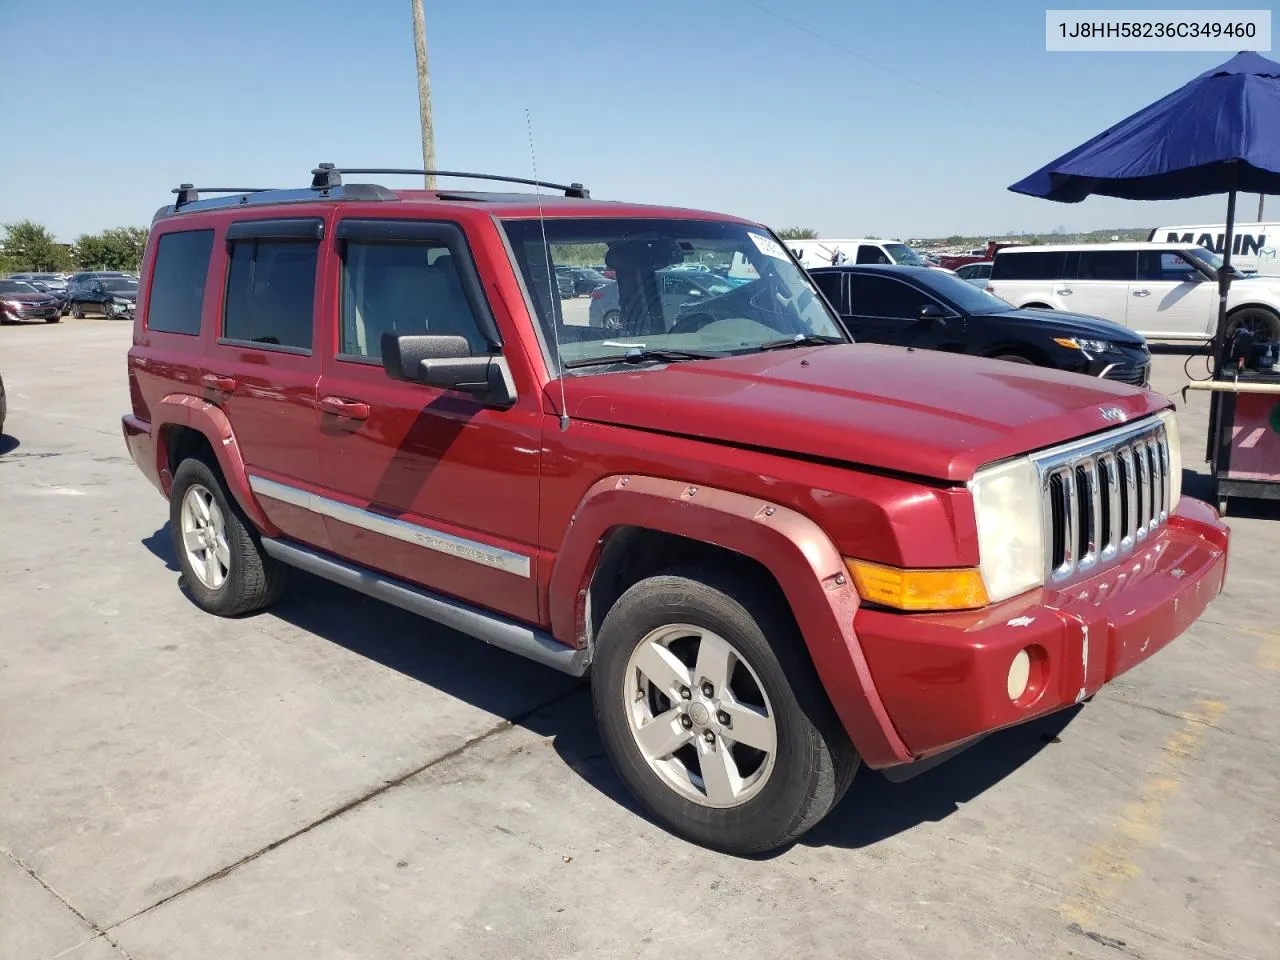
x=250, y=579
x=612, y=320
x=767, y=799
x=1264, y=323
x=1012, y=358
x=56, y=318
x=77, y=311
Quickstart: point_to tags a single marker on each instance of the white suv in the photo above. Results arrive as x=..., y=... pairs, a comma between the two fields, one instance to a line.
x=1165, y=291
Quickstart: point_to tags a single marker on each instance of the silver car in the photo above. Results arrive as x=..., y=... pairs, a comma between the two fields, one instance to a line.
x=678, y=287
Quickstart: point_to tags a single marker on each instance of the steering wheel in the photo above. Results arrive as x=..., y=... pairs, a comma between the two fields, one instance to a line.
x=691, y=323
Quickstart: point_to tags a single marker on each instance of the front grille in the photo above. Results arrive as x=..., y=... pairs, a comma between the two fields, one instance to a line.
x=1102, y=497
x=1136, y=374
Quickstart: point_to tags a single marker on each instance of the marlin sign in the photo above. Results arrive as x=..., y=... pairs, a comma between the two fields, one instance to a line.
x=1253, y=245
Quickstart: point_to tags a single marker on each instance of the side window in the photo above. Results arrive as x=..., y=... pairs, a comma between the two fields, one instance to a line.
x=1032, y=265
x=883, y=297
x=1107, y=265
x=1165, y=265
x=402, y=288
x=829, y=284
x=177, y=281
x=869, y=253
x=271, y=288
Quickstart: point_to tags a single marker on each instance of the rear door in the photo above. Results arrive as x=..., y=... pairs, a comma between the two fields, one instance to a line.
x=1171, y=297
x=262, y=369
x=1101, y=284
x=425, y=484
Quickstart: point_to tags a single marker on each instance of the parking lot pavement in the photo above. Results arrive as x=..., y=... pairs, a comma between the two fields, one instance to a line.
x=336, y=778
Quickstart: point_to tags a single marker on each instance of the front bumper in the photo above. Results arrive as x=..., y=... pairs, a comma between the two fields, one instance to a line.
x=943, y=678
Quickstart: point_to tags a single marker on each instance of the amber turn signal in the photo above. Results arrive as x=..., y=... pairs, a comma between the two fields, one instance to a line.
x=919, y=590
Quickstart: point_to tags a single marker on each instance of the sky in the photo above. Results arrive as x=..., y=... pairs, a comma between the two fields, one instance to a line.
x=858, y=117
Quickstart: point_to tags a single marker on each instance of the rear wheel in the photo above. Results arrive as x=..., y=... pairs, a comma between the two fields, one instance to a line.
x=223, y=564
x=713, y=715
x=77, y=311
x=612, y=320
x=1264, y=324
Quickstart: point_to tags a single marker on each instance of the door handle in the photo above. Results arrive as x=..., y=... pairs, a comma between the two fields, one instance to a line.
x=342, y=407
x=1142, y=293
x=217, y=382
x=1064, y=292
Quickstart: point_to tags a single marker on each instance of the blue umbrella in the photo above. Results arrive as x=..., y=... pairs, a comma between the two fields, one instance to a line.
x=1220, y=133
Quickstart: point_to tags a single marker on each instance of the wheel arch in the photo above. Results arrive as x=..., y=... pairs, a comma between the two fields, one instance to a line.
x=628, y=526
x=1020, y=349
x=186, y=425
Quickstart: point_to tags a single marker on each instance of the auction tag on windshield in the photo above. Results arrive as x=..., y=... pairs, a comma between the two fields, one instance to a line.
x=767, y=246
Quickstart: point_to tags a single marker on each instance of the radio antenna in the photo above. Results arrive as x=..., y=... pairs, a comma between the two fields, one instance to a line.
x=552, y=290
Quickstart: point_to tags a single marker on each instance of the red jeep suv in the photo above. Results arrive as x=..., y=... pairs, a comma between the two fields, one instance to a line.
x=779, y=553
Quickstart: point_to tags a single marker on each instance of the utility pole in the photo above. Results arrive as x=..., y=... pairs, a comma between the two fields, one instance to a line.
x=424, y=93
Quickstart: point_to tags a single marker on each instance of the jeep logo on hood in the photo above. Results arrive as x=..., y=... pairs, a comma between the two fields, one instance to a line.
x=1112, y=414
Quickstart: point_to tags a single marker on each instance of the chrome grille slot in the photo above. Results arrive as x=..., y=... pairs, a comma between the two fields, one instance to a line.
x=1101, y=496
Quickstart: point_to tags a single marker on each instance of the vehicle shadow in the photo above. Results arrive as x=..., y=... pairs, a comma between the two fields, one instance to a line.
x=8, y=443
x=558, y=708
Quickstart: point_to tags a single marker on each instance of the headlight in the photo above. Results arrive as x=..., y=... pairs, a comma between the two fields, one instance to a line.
x=1087, y=346
x=1007, y=505
x=1174, y=441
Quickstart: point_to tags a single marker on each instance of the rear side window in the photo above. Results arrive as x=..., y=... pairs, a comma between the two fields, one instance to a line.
x=1033, y=265
x=403, y=288
x=271, y=288
x=1108, y=265
x=884, y=297
x=829, y=284
x=177, y=281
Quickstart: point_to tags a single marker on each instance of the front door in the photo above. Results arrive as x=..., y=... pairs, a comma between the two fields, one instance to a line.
x=262, y=371
x=425, y=484
x=1171, y=297
x=886, y=310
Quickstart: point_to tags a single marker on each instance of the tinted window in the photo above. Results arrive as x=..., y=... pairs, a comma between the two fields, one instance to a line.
x=867, y=253
x=271, y=289
x=882, y=297
x=1107, y=265
x=1033, y=265
x=1165, y=265
x=829, y=284
x=177, y=281
x=402, y=288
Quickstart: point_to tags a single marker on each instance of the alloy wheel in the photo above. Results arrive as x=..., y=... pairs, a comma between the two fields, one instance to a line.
x=204, y=537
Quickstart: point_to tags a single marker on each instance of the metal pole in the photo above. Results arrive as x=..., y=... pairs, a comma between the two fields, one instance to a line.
x=1224, y=281
x=1261, y=199
x=424, y=93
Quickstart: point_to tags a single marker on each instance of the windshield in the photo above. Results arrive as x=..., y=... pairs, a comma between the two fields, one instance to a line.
x=16, y=286
x=653, y=303
x=904, y=255
x=965, y=295
x=120, y=284
x=1208, y=258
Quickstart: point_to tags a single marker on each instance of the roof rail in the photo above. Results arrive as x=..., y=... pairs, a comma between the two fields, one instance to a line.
x=190, y=194
x=326, y=176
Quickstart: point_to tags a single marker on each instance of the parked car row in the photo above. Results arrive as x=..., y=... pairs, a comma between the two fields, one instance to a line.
x=49, y=297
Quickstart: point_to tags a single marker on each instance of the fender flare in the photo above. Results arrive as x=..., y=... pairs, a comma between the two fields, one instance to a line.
x=800, y=556
x=186, y=410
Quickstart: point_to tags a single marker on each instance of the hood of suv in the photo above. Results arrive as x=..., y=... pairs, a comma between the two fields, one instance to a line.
x=919, y=412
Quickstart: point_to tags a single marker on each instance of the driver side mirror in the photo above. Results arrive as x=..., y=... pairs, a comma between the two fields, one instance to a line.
x=931, y=311
x=446, y=362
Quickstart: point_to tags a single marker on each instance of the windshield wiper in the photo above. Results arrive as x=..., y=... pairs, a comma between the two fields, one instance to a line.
x=641, y=355
x=801, y=340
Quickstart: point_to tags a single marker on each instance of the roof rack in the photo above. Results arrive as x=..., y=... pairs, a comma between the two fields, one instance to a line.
x=190, y=194
x=326, y=177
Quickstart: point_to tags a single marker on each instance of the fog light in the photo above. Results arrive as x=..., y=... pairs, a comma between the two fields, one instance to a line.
x=1019, y=674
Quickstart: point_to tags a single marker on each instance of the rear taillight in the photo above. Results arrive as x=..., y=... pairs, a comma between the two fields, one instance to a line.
x=597, y=294
x=990, y=288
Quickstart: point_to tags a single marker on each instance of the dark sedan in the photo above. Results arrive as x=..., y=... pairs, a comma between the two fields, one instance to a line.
x=20, y=301
x=933, y=310
x=111, y=296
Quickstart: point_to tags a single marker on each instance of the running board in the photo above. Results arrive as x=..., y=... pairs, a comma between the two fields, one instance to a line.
x=498, y=631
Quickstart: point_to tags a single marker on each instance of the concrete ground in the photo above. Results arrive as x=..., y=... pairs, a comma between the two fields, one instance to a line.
x=337, y=779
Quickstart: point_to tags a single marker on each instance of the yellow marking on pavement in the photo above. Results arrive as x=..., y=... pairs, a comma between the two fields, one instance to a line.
x=1113, y=858
x=1269, y=651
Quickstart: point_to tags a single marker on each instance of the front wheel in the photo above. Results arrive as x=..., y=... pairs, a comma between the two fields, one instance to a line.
x=77, y=311
x=1264, y=324
x=713, y=715
x=56, y=318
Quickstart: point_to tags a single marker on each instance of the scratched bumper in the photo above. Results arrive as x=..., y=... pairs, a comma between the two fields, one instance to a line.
x=943, y=678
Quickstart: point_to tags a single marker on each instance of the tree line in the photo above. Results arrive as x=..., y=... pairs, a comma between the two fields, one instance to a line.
x=30, y=247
